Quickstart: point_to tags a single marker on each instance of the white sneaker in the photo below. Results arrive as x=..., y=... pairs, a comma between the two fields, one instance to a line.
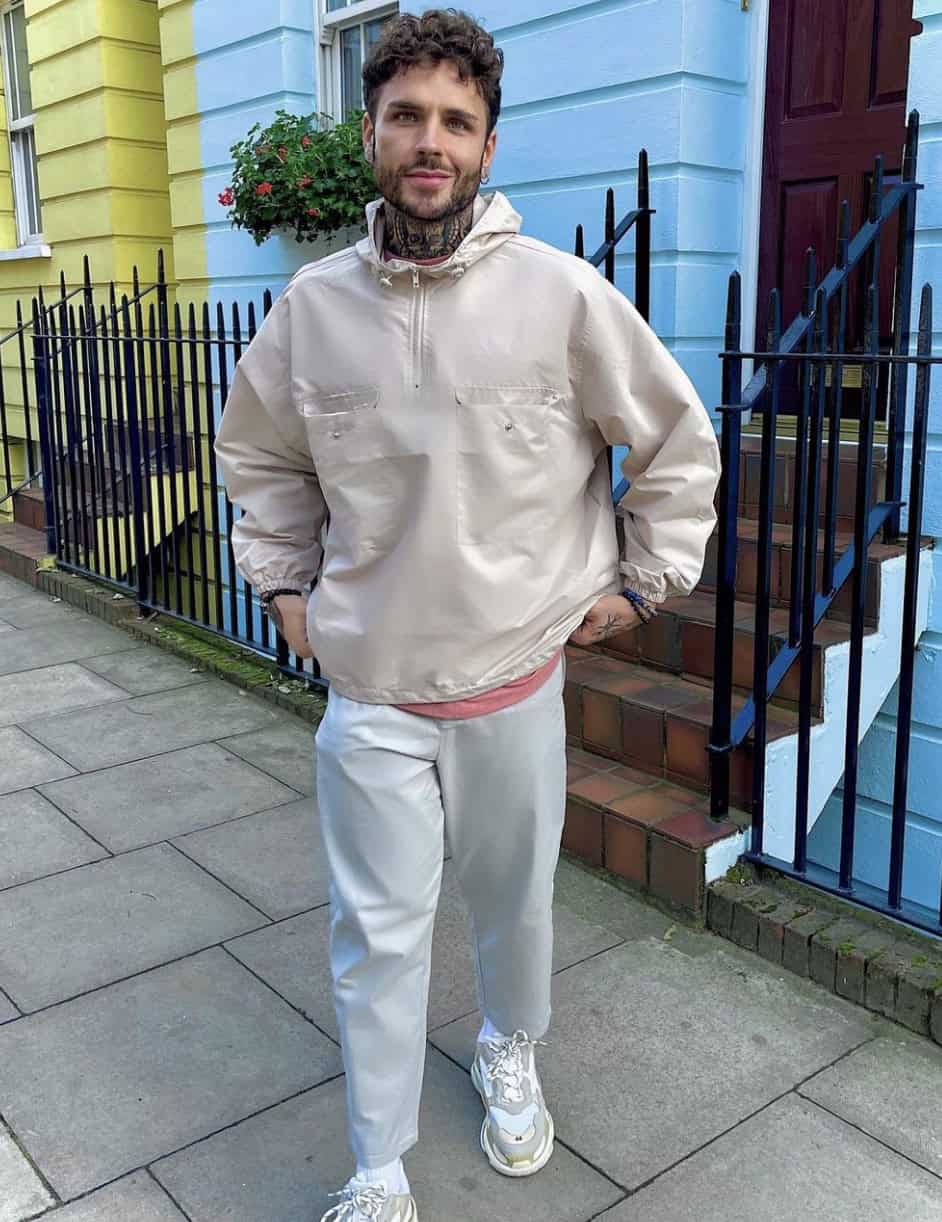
x=362, y=1202
x=518, y=1133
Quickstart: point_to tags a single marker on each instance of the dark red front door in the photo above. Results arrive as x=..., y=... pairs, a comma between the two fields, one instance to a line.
x=836, y=96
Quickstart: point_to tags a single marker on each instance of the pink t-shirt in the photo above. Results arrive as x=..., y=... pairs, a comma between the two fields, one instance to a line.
x=487, y=702
x=499, y=697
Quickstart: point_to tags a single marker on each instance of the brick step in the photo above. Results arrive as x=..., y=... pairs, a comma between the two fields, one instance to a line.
x=656, y=722
x=648, y=831
x=747, y=560
x=29, y=508
x=783, y=504
x=681, y=641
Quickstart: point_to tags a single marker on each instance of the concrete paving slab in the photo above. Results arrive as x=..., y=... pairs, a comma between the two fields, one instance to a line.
x=167, y=795
x=37, y=610
x=149, y=725
x=22, y=1192
x=136, y=1198
x=8, y=1012
x=599, y=902
x=653, y=1052
x=37, y=839
x=26, y=763
x=144, y=670
x=102, y=1085
x=280, y=1166
x=293, y=958
x=890, y=1088
x=792, y=1161
x=275, y=859
x=77, y=931
x=82, y=637
x=52, y=689
x=285, y=751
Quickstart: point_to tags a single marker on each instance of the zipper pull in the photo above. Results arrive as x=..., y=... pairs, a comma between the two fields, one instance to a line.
x=415, y=277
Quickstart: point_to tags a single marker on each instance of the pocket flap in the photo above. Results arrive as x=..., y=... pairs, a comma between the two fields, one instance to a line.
x=341, y=403
x=507, y=396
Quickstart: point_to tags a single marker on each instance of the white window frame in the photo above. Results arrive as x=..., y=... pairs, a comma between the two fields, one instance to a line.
x=19, y=162
x=329, y=64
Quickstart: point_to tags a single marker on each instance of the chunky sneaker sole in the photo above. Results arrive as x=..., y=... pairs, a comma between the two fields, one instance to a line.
x=532, y=1165
x=398, y=1207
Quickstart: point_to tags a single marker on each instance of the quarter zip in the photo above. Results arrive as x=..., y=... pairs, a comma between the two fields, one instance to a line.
x=417, y=328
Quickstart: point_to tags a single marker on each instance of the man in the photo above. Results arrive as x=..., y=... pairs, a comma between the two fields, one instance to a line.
x=441, y=395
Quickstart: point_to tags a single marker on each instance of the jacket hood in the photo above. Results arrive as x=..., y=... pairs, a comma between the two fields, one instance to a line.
x=495, y=221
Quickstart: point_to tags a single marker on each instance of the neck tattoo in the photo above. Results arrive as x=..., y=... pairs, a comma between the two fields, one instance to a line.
x=409, y=238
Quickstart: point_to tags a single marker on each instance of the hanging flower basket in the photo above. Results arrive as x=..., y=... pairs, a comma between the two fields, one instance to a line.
x=302, y=174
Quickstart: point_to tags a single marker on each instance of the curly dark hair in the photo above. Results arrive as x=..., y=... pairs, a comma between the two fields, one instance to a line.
x=439, y=34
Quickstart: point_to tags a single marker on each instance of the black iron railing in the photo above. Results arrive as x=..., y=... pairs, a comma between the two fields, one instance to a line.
x=129, y=393
x=638, y=219
x=815, y=343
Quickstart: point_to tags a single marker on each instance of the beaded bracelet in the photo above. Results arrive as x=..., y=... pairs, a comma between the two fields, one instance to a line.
x=643, y=609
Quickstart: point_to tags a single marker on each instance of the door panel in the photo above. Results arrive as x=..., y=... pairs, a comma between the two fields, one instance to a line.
x=836, y=91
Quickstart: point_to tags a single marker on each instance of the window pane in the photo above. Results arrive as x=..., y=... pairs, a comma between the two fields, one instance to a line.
x=17, y=28
x=351, y=63
x=34, y=220
x=373, y=30
x=25, y=183
x=333, y=5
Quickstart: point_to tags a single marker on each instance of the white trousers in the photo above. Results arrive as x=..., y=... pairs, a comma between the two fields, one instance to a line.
x=388, y=784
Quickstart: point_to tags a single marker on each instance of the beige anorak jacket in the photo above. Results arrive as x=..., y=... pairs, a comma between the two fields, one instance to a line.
x=428, y=443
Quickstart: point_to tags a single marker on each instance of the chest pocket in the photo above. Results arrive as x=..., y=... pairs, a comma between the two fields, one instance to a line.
x=350, y=444
x=505, y=468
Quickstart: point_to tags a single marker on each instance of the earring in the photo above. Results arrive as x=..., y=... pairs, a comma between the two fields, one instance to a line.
x=485, y=178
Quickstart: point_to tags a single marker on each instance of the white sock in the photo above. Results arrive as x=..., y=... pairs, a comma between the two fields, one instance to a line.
x=490, y=1032
x=393, y=1174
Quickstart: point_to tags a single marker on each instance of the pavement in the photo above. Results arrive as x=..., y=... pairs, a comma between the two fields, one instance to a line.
x=168, y=1047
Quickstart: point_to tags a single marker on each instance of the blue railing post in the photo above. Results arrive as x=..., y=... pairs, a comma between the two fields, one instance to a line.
x=728, y=513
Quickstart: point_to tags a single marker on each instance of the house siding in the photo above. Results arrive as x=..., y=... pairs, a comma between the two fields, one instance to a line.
x=95, y=78
x=227, y=67
x=586, y=86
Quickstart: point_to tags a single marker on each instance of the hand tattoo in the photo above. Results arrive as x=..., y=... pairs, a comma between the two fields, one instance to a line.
x=274, y=614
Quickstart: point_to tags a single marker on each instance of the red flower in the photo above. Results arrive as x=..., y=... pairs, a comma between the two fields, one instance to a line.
x=304, y=182
x=305, y=142
x=263, y=188
x=282, y=154
x=313, y=212
x=227, y=197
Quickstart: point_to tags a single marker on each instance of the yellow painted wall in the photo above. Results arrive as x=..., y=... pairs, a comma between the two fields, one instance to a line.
x=183, y=149
x=101, y=137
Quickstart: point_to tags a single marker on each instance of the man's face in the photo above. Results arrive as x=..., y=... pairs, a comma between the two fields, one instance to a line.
x=429, y=140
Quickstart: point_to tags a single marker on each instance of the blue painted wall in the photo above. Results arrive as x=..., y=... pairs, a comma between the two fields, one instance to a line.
x=923, y=862
x=253, y=59
x=588, y=85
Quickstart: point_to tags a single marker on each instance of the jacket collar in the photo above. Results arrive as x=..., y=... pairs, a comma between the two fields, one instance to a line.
x=495, y=221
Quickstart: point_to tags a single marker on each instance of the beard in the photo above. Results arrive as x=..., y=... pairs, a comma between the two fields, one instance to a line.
x=464, y=190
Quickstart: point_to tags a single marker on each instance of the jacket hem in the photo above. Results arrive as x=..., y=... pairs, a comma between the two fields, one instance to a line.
x=429, y=695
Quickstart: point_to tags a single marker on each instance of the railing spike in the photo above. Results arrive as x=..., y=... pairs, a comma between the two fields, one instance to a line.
x=161, y=270
x=733, y=305
x=811, y=270
x=876, y=189
x=843, y=235
x=775, y=319
x=911, y=147
x=644, y=185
